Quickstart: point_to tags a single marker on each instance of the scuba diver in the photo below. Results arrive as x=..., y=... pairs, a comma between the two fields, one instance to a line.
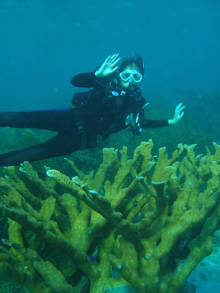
x=114, y=102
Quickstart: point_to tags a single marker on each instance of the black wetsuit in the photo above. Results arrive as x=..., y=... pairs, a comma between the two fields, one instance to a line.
x=100, y=111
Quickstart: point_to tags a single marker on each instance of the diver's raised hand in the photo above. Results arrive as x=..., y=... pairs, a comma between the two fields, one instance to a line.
x=178, y=114
x=108, y=67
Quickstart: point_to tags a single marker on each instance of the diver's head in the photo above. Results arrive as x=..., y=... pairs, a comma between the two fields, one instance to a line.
x=131, y=71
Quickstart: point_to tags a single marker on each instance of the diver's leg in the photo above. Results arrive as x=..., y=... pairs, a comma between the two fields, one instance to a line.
x=59, y=145
x=54, y=120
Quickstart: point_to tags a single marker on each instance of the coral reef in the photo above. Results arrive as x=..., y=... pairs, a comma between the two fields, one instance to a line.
x=146, y=221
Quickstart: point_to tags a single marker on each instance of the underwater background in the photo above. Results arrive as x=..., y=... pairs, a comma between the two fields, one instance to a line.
x=46, y=42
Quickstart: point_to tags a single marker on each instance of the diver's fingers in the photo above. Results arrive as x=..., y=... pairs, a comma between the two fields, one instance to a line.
x=116, y=61
x=114, y=57
x=111, y=60
x=114, y=69
x=180, y=115
x=180, y=110
x=179, y=105
x=107, y=59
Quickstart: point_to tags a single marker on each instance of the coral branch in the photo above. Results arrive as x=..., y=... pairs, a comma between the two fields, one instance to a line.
x=146, y=221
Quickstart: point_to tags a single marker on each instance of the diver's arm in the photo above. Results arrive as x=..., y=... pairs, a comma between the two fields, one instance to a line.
x=146, y=123
x=92, y=79
x=178, y=114
x=87, y=80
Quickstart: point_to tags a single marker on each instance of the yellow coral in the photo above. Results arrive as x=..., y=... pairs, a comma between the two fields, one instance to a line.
x=146, y=221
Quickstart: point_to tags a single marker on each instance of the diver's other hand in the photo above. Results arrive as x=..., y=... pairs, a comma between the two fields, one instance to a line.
x=178, y=114
x=108, y=67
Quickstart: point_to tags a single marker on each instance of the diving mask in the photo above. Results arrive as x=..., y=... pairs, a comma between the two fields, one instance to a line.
x=131, y=73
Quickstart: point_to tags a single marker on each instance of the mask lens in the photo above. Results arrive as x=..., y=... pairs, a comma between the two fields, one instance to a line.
x=125, y=76
x=137, y=77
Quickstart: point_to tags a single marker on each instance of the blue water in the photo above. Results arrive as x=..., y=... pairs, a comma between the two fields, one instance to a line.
x=45, y=42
